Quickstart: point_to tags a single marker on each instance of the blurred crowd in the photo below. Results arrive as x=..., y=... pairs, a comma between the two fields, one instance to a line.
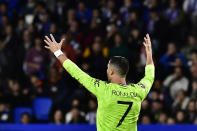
x=95, y=30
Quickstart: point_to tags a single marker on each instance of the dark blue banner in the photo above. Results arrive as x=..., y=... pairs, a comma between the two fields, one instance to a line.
x=51, y=127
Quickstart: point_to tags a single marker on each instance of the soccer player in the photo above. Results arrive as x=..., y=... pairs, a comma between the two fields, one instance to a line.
x=118, y=102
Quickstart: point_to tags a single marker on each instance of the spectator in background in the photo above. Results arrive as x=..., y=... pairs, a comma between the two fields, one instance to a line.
x=119, y=48
x=125, y=9
x=163, y=118
x=145, y=109
x=151, y=3
x=4, y=113
x=36, y=58
x=96, y=16
x=195, y=121
x=175, y=17
x=176, y=82
x=191, y=110
x=29, y=7
x=170, y=121
x=71, y=16
x=37, y=87
x=24, y=47
x=42, y=19
x=190, y=7
x=173, y=14
x=27, y=41
x=156, y=109
x=74, y=35
x=167, y=59
x=181, y=101
x=9, y=49
x=156, y=26
x=13, y=93
x=58, y=88
x=25, y=118
x=20, y=27
x=74, y=111
x=96, y=60
x=91, y=115
x=83, y=14
x=193, y=64
x=107, y=13
x=92, y=33
x=145, y=120
x=111, y=32
x=180, y=117
x=191, y=45
x=194, y=90
x=58, y=117
x=77, y=118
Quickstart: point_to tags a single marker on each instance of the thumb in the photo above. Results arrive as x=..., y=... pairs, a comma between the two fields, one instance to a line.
x=61, y=42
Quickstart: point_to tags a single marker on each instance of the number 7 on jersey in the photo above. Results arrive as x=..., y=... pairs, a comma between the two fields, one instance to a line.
x=127, y=111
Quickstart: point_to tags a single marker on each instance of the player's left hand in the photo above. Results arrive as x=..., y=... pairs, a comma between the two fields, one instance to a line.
x=53, y=46
x=147, y=43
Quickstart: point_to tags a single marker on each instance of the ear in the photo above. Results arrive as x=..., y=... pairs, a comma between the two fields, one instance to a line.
x=112, y=71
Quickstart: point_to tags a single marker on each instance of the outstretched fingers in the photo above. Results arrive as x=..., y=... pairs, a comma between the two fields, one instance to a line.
x=62, y=41
x=53, y=39
x=147, y=36
x=144, y=44
x=145, y=40
x=48, y=40
x=48, y=43
x=47, y=47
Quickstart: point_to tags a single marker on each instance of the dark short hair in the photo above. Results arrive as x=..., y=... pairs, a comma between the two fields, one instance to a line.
x=121, y=64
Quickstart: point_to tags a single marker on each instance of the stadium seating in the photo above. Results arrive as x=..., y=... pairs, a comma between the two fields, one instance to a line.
x=41, y=108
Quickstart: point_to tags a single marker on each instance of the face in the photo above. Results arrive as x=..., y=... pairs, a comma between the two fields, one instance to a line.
x=192, y=106
x=191, y=40
x=181, y=95
x=92, y=105
x=25, y=119
x=58, y=115
x=117, y=39
x=96, y=47
x=171, y=48
x=178, y=62
x=172, y=3
x=145, y=120
x=178, y=72
x=180, y=116
x=170, y=121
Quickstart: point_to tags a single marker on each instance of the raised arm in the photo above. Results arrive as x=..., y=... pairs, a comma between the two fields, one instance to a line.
x=148, y=47
x=147, y=81
x=93, y=85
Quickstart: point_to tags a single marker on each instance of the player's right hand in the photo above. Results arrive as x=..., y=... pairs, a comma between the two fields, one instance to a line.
x=53, y=46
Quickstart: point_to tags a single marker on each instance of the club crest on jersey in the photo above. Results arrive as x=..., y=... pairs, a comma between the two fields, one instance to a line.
x=141, y=85
x=97, y=82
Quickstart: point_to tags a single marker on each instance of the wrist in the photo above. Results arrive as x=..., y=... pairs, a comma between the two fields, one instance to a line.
x=58, y=53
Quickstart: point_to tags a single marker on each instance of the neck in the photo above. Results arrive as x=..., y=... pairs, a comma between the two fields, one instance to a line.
x=118, y=80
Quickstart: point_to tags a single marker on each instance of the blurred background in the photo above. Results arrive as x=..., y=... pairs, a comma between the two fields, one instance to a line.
x=34, y=88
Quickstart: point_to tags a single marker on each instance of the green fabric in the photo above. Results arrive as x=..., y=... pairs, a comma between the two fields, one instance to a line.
x=110, y=111
x=122, y=50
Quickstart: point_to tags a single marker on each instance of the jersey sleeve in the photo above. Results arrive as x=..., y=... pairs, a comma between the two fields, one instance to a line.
x=145, y=83
x=93, y=85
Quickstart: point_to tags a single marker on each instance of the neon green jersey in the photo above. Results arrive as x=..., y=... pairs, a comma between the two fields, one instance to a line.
x=118, y=105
